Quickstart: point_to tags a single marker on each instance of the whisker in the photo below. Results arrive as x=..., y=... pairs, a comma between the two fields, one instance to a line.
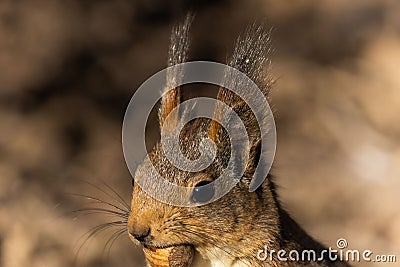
x=107, y=194
x=117, y=194
x=97, y=229
x=102, y=211
x=110, y=242
x=98, y=200
x=114, y=206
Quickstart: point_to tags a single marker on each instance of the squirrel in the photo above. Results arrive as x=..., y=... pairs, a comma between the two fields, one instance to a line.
x=233, y=230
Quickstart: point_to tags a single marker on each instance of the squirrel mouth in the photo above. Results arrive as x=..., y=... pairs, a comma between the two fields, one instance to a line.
x=154, y=247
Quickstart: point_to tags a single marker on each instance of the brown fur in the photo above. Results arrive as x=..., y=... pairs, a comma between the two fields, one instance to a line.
x=234, y=228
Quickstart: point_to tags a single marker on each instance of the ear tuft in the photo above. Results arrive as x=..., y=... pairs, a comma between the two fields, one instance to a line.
x=250, y=56
x=178, y=52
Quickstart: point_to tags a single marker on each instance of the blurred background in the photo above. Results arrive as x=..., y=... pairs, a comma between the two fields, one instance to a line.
x=69, y=68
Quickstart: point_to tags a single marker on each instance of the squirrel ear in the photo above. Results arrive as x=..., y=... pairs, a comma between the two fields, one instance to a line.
x=178, y=51
x=250, y=56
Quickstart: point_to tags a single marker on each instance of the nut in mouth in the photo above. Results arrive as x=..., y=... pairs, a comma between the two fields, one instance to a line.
x=171, y=256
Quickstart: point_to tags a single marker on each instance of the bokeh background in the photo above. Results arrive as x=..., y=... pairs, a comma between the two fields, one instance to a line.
x=69, y=68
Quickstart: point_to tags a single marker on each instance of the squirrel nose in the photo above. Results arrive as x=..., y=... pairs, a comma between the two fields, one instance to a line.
x=140, y=234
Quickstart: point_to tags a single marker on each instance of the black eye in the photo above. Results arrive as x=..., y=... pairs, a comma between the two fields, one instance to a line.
x=202, y=192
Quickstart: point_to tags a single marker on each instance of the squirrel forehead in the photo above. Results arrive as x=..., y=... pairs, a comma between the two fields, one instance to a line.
x=157, y=165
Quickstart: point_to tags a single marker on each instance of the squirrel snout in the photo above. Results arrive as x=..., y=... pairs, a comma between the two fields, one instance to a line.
x=141, y=234
x=138, y=229
x=139, y=224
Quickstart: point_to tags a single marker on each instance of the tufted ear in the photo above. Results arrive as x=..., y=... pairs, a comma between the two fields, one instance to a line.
x=178, y=51
x=250, y=56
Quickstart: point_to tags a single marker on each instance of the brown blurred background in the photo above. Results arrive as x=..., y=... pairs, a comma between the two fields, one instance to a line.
x=69, y=68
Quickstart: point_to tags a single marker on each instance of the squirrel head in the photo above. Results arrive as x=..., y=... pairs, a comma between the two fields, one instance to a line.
x=227, y=220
